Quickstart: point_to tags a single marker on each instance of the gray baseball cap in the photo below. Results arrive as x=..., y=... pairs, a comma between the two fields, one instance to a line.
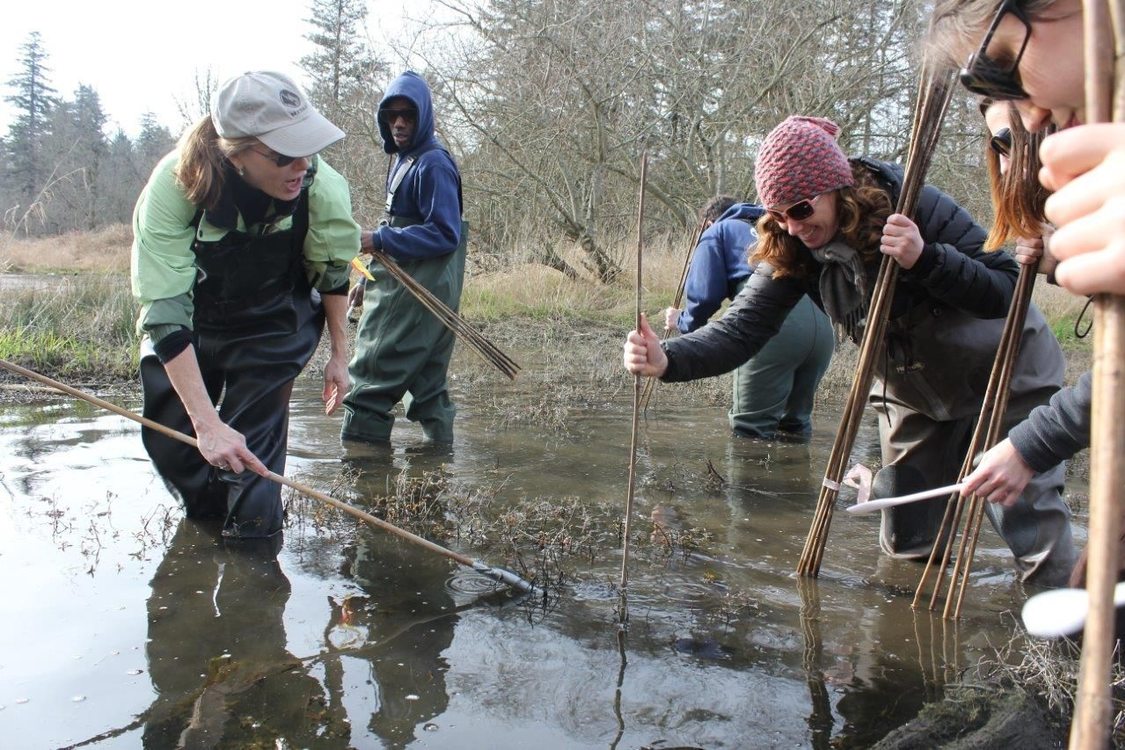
x=269, y=106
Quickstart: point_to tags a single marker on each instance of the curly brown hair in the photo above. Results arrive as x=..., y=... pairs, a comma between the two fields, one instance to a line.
x=862, y=211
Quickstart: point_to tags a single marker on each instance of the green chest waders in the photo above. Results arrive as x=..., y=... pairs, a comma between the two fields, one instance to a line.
x=402, y=350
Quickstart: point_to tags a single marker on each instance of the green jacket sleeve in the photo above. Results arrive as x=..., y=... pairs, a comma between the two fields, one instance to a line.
x=333, y=237
x=162, y=265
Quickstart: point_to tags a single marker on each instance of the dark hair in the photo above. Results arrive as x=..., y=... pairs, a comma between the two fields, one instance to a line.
x=716, y=207
x=862, y=211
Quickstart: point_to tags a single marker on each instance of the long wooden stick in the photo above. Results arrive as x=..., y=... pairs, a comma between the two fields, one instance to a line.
x=461, y=328
x=1093, y=708
x=650, y=384
x=628, y=522
x=934, y=92
x=506, y=577
x=986, y=434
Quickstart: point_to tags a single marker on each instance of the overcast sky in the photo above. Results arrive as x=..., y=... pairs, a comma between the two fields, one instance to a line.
x=143, y=55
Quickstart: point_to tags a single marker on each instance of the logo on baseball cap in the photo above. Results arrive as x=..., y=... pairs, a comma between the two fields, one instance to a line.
x=269, y=106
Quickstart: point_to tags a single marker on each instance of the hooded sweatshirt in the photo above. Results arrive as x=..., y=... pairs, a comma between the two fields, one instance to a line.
x=719, y=264
x=430, y=193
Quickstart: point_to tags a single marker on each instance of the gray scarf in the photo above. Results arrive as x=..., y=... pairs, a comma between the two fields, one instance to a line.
x=843, y=288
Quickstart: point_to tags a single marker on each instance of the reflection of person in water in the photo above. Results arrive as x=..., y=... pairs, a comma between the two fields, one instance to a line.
x=407, y=618
x=217, y=653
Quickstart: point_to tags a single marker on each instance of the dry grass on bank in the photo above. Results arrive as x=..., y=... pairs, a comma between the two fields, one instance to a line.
x=103, y=251
x=547, y=305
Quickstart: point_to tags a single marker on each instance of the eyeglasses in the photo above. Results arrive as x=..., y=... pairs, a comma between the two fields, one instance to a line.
x=279, y=159
x=993, y=78
x=390, y=115
x=797, y=212
x=1001, y=143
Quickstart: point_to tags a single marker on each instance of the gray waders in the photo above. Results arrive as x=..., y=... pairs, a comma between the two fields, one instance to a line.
x=775, y=391
x=928, y=399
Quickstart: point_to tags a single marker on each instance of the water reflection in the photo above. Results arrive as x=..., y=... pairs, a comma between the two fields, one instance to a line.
x=350, y=638
x=217, y=652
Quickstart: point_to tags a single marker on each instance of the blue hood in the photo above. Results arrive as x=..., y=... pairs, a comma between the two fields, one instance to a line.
x=411, y=86
x=746, y=211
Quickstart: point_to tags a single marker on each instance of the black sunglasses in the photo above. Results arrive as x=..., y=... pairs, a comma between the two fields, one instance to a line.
x=390, y=115
x=279, y=159
x=1001, y=143
x=797, y=212
x=993, y=78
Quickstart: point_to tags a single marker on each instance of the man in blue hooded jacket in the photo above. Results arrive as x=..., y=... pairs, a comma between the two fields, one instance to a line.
x=773, y=393
x=402, y=350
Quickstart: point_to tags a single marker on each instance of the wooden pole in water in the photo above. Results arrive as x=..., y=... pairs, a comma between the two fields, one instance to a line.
x=1093, y=710
x=650, y=384
x=627, y=526
x=500, y=575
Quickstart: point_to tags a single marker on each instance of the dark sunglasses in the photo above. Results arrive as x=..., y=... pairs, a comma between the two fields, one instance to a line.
x=279, y=159
x=390, y=115
x=797, y=212
x=1001, y=143
x=985, y=76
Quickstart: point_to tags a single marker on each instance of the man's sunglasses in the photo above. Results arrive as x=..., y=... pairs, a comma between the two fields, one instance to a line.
x=797, y=212
x=279, y=159
x=1001, y=143
x=997, y=79
x=390, y=115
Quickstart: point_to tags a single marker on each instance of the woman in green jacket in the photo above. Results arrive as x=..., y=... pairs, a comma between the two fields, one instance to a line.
x=243, y=238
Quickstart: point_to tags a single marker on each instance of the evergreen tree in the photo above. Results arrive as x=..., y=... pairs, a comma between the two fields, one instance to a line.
x=25, y=171
x=77, y=147
x=345, y=85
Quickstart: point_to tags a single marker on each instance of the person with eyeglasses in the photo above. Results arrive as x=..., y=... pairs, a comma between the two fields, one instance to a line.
x=829, y=222
x=773, y=393
x=242, y=242
x=1030, y=52
x=402, y=350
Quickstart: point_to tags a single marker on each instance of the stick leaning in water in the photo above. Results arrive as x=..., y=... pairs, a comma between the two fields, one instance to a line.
x=476, y=340
x=500, y=575
x=636, y=402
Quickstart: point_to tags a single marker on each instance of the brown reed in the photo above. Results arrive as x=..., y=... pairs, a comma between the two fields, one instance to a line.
x=934, y=92
x=1093, y=711
x=627, y=525
x=461, y=328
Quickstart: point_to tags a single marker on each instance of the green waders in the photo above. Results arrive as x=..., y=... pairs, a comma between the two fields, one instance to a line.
x=775, y=391
x=402, y=352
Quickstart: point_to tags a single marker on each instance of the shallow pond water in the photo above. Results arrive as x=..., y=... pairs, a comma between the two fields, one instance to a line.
x=123, y=626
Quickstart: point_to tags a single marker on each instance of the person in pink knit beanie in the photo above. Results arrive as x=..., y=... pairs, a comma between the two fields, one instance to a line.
x=829, y=223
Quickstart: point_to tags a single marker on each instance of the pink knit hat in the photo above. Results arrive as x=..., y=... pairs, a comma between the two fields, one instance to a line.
x=800, y=159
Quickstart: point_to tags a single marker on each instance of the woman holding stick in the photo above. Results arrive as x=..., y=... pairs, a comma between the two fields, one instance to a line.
x=1085, y=161
x=829, y=221
x=242, y=243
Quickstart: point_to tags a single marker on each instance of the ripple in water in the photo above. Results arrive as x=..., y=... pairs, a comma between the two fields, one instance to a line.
x=466, y=582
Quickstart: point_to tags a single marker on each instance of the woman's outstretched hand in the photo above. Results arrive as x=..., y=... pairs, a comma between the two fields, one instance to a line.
x=643, y=354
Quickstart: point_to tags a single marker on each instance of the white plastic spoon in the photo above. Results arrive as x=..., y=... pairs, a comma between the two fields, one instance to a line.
x=871, y=506
x=1060, y=612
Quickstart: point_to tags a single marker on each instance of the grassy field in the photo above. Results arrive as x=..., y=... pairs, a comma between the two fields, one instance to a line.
x=68, y=309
